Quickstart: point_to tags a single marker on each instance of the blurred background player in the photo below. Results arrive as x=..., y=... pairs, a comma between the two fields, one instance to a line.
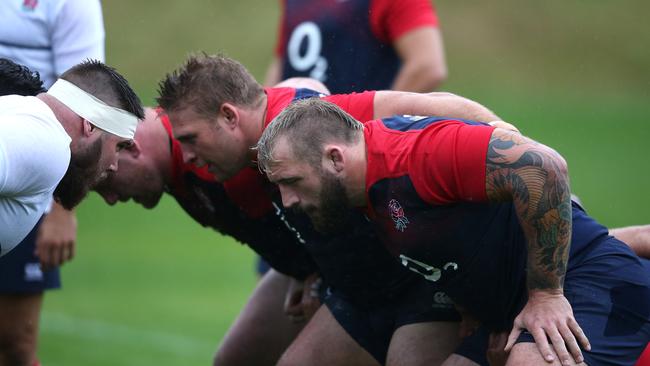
x=49, y=37
x=359, y=45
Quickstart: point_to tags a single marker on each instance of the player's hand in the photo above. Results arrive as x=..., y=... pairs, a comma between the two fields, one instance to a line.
x=496, y=355
x=310, y=295
x=468, y=324
x=302, y=299
x=504, y=125
x=56, y=238
x=548, y=315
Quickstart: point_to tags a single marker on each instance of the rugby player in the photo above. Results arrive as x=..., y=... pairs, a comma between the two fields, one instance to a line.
x=218, y=111
x=481, y=212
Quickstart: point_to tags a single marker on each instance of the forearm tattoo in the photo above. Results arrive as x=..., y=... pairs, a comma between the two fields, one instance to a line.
x=534, y=177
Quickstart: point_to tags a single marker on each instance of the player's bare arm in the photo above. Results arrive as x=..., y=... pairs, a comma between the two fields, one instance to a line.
x=57, y=236
x=423, y=60
x=388, y=103
x=535, y=178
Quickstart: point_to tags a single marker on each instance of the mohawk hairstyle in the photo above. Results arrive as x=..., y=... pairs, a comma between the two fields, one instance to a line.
x=106, y=84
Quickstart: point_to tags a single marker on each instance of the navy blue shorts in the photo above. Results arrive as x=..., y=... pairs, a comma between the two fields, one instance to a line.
x=609, y=291
x=20, y=271
x=372, y=326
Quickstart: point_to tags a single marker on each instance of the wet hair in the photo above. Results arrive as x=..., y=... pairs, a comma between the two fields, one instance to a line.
x=204, y=82
x=106, y=84
x=18, y=79
x=308, y=124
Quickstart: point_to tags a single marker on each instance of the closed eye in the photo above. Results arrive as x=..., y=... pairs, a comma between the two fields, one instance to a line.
x=186, y=139
x=124, y=145
x=288, y=181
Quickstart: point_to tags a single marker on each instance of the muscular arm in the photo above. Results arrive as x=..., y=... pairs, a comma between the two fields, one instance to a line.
x=535, y=178
x=388, y=103
x=423, y=60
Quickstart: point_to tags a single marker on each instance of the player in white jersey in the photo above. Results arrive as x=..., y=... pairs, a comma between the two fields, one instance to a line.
x=58, y=143
x=51, y=36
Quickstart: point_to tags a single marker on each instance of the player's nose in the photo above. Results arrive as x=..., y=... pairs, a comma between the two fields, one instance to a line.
x=289, y=198
x=189, y=157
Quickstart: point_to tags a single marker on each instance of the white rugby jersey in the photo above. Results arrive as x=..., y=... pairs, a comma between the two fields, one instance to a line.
x=34, y=156
x=50, y=36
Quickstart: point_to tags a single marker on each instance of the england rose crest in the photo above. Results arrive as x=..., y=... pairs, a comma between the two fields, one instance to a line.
x=397, y=214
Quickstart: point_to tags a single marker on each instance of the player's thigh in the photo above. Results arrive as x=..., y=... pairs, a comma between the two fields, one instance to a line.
x=427, y=343
x=458, y=360
x=262, y=331
x=19, y=316
x=527, y=354
x=324, y=342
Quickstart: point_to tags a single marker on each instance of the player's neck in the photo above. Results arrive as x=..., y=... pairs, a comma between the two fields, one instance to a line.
x=157, y=143
x=355, y=181
x=64, y=115
x=255, y=124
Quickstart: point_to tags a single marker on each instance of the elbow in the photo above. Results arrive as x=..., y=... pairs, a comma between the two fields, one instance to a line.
x=433, y=77
x=438, y=76
x=557, y=166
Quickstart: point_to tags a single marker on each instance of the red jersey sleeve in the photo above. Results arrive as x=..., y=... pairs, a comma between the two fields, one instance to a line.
x=447, y=163
x=281, y=42
x=358, y=105
x=390, y=19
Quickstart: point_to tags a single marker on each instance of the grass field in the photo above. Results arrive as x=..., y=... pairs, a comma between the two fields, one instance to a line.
x=155, y=288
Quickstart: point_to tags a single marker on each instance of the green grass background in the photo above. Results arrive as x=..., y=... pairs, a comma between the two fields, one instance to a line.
x=154, y=288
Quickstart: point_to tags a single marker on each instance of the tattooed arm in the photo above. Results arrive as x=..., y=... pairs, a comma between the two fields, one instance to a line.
x=534, y=177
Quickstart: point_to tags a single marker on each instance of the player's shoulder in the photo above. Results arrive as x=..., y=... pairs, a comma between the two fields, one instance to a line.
x=33, y=138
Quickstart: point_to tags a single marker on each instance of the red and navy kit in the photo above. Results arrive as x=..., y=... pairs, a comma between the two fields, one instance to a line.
x=426, y=190
x=347, y=44
x=249, y=189
x=377, y=275
x=207, y=202
x=362, y=276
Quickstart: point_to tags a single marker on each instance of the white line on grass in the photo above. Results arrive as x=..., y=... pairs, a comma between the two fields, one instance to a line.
x=164, y=342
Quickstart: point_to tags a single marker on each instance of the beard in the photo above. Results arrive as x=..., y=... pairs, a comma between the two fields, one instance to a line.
x=335, y=210
x=82, y=174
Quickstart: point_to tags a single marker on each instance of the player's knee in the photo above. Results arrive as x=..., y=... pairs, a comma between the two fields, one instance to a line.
x=226, y=356
x=296, y=356
x=527, y=353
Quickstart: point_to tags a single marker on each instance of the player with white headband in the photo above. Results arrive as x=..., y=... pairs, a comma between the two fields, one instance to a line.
x=61, y=143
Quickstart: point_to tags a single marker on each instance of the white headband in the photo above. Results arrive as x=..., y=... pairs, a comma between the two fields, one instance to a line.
x=114, y=120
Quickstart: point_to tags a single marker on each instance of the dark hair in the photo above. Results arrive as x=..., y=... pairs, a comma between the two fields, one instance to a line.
x=307, y=124
x=106, y=84
x=18, y=79
x=204, y=82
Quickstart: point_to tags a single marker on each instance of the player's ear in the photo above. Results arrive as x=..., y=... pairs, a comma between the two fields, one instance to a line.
x=87, y=128
x=334, y=158
x=230, y=113
x=134, y=149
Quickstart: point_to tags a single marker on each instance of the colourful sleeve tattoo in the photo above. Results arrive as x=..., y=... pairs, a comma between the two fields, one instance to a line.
x=534, y=177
